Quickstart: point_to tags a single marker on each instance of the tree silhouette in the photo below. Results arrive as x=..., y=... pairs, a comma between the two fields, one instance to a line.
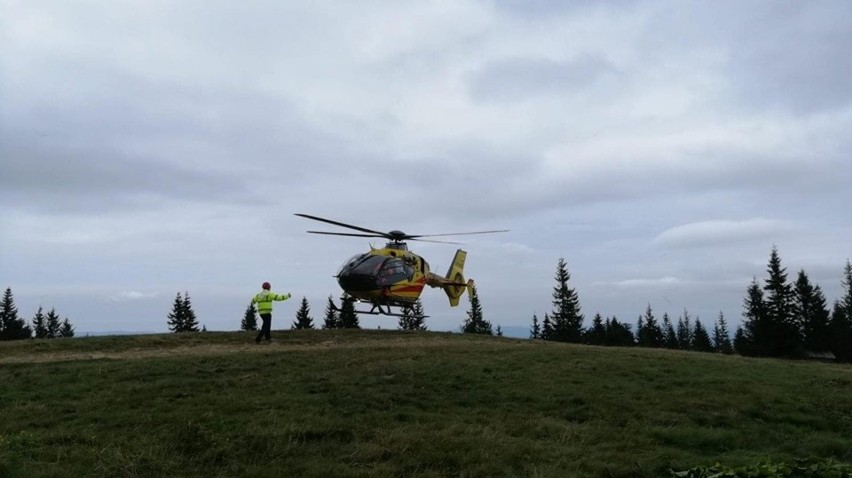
x=721, y=338
x=190, y=321
x=66, y=330
x=700, y=338
x=566, y=317
x=348, y=317
x=535, y=328
x=249, y=321
x=331, y=319
x=39, y=324
x=11, y=326
x=303, y=316
x=475, y=323
x=813, y=318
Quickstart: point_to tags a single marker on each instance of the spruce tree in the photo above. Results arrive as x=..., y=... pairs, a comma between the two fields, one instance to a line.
x=331, y=319
x=499, y=331
x=597, y=332
x=39, y=325
x=12, y=327
x=684, y=331
x=177, y=317
x=348, y=317
x=190, y=321
x=651, y=335
x=566, y=316
x=418, y=316
x=700, y=338
x=249, y=321
x=535, y=329
x=404, y=319
x=783, y=334
x=754, y=339
x=813, y=319
x=303, y=316
x=841, y=319
x=618, y=334
x=53, y=324
x=413, y=317
x=669, y=336
x=721, y=339
x=475, y=323
x=547, y=328
x=66, y=330
x=742, y=344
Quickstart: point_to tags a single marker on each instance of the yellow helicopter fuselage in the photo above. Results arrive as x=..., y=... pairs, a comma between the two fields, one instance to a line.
x=395, y=276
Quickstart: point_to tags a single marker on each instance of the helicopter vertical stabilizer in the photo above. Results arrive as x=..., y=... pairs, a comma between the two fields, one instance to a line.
x=455, y=275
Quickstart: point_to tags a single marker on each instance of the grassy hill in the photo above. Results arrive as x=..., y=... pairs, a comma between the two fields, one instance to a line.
x=386, y=403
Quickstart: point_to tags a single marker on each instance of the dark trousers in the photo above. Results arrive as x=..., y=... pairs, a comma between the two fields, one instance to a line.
x=265, y=328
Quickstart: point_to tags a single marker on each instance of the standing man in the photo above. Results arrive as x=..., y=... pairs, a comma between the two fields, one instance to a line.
x=264, y=307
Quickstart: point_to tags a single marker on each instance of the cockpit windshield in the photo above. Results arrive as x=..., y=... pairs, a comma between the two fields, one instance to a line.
x=383, y=269
x=352, y=262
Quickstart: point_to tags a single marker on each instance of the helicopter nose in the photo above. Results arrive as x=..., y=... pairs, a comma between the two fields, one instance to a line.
x=356, y=282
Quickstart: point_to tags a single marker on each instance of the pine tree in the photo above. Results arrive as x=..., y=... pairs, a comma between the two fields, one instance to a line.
x=413, y=317
x=742, y=344
x=596, y=335
x=669, y=336
x=66, y=330
x=53, y=324
x=535, y=329
x=303, y=316
x=755, y=334
x=177, y=317
x=566, y=316
x=650, y=335
x=404, y=320
x=547, y=328
x=721, y=339
x=475, y=323
x=700, y=338
x=418, y=316
x=783, y=334
x=841, y=319
x=618, y=334
x=11, y=326
x=249, y=321
x=348, y=317
x=39, y=324
x=684, y=332
x=813, y=316
x=190, y=321
x=331, y=319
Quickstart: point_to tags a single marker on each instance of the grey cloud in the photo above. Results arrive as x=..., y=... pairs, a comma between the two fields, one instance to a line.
x=788, y=56
x=521, y=78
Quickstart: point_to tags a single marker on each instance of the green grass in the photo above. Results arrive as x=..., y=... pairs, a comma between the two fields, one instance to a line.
x=386, y=403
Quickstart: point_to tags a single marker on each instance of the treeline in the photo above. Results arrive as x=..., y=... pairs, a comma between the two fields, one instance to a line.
x=42, y=326
x=780, y=319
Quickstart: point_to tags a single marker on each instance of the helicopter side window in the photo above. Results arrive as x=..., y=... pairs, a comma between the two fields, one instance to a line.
x=395, y=270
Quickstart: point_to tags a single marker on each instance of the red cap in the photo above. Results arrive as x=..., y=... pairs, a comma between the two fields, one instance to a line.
x=266, y=285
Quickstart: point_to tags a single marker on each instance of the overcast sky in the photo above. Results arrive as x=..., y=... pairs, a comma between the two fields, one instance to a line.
x=662, y=148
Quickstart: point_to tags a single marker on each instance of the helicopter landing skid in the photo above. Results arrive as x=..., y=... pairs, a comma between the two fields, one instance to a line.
x=377, y=309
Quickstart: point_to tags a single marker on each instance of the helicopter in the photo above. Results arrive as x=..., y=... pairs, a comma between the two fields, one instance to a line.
x=393, y=276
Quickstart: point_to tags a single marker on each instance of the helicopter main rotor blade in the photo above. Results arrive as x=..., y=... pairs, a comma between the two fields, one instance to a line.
x=429, y=240
x=341, y=224
x=458, y=233
x=352, y=234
